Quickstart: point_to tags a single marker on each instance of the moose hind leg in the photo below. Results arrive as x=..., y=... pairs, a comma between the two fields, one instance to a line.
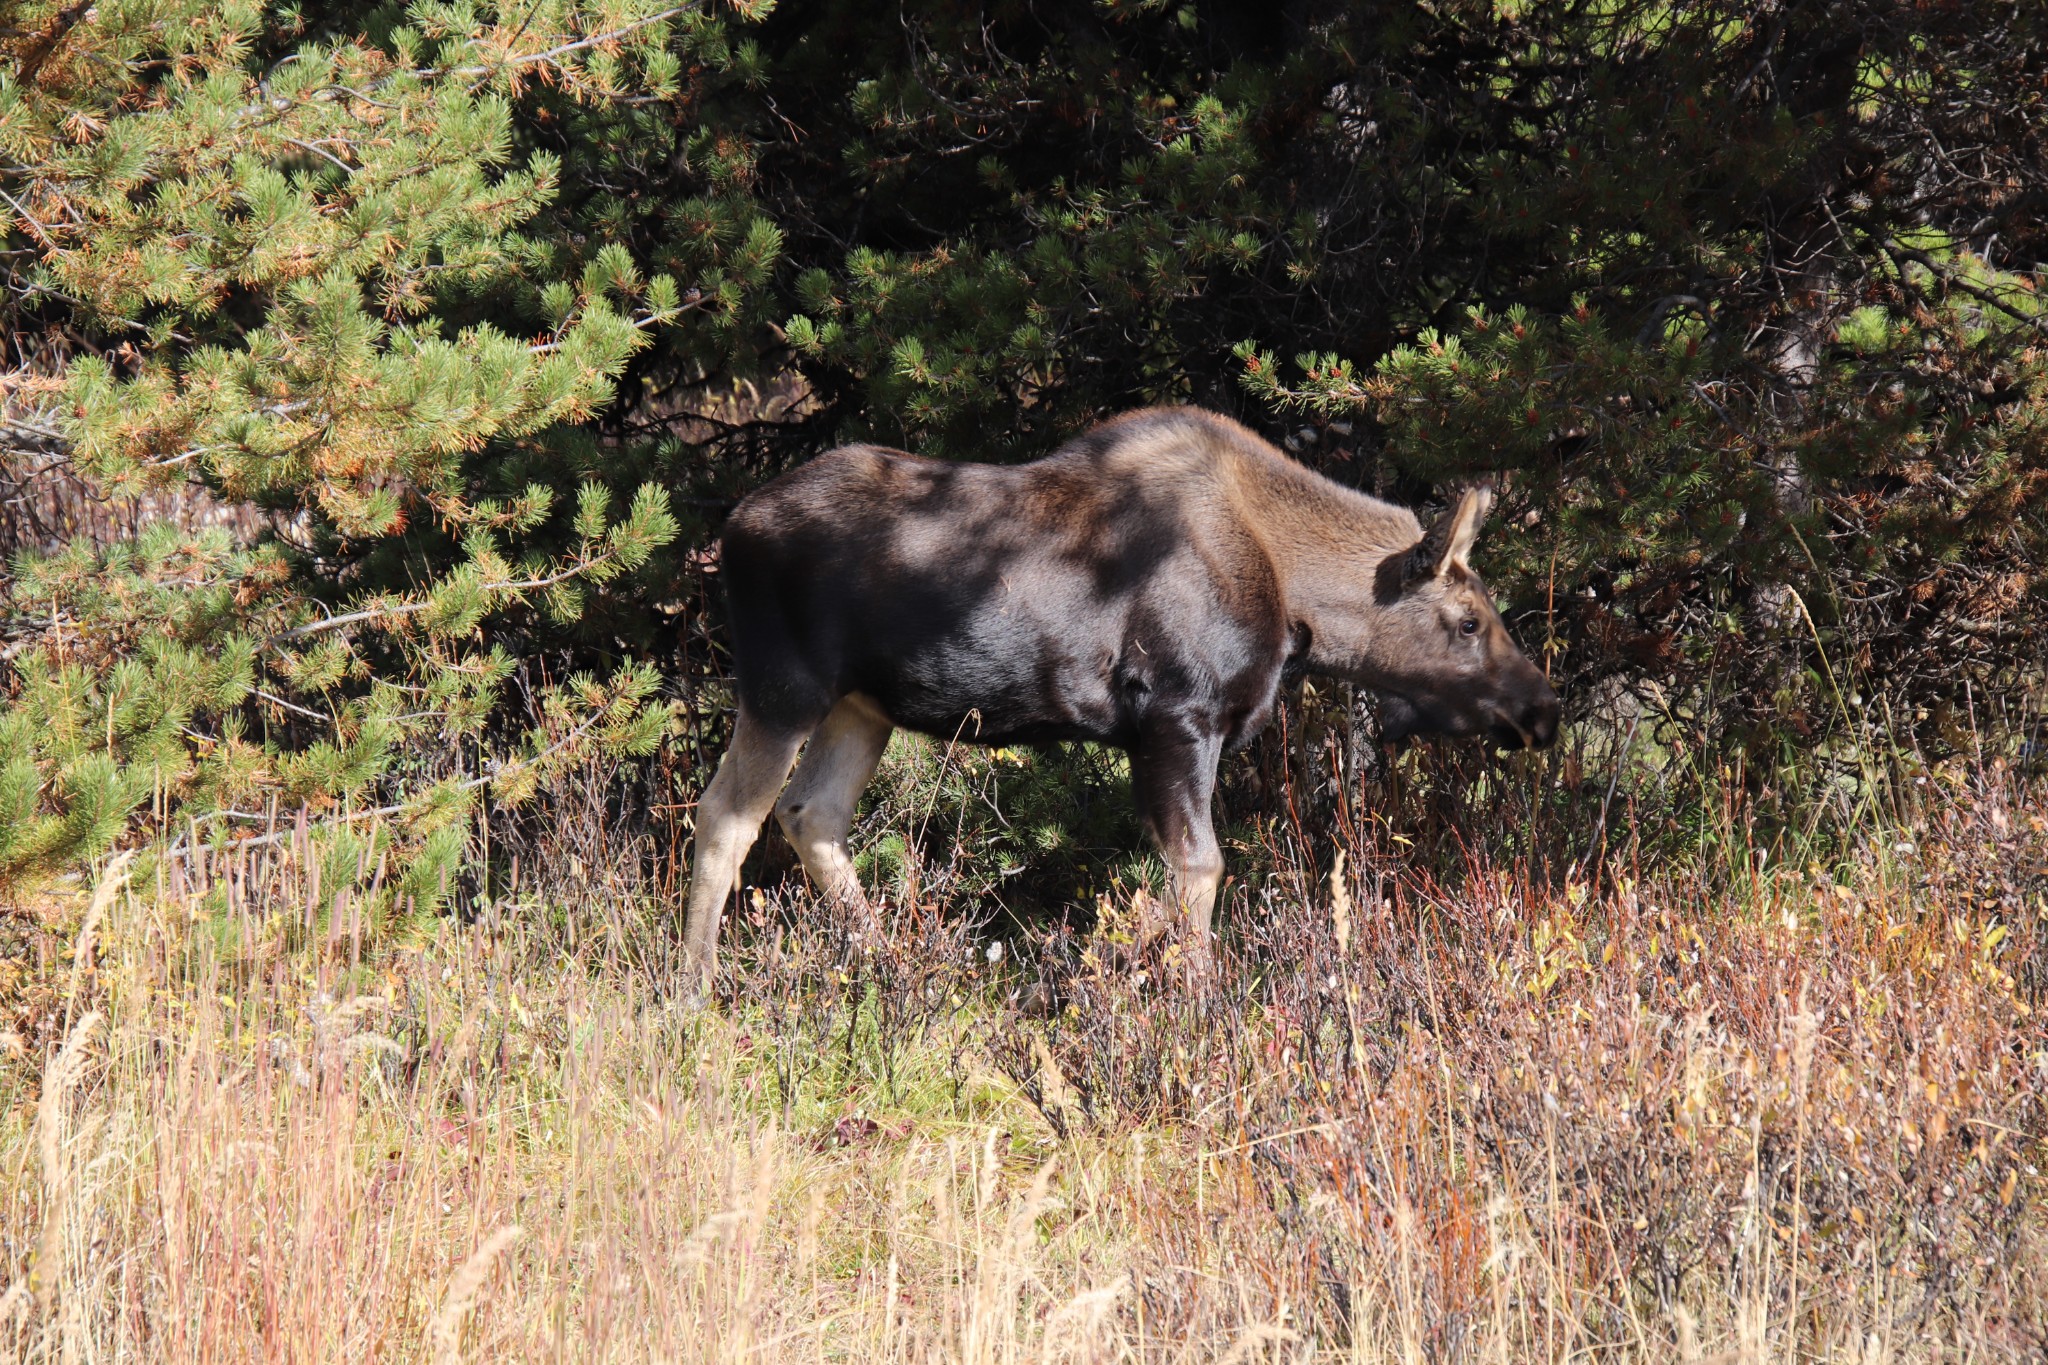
x=817, y=808
x=1173, y=777
x=729, y=815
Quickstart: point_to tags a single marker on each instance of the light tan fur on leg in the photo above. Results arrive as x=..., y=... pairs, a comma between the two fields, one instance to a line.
x=728, y=817
x=817, y=808
x=1194, y=873
x=1195, y=883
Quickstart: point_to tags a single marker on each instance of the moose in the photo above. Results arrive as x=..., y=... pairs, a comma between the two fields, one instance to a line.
x=1146, y=586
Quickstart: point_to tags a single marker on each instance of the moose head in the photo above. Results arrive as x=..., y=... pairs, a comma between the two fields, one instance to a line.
x=1441, y=655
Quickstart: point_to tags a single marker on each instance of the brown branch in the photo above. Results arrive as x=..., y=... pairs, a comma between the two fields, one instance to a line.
x=409, y=608
x=594, y=40
x=378, y=812
x=39, y=51
x=1948, y=276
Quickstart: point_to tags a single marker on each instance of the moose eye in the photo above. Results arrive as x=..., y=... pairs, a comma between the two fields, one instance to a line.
x=1469, y=626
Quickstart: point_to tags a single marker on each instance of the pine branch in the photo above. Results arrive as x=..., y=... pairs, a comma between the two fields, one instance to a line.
x=694, y=301
x=1949, y=276
x=378, y=812
x=42, y=233
x=293, y=707
x=594, y=40
x=410, y=608
x=39, y=51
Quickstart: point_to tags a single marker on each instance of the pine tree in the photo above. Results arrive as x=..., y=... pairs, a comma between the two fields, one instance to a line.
x=1756, y=357
x=296, y=269
x=434, y=303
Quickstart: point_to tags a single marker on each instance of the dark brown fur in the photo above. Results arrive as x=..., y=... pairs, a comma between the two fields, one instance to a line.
x=1145, y=586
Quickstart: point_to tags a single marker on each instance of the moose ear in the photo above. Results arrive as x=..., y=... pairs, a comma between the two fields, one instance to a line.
x=1446, y=543
x=1463, y=522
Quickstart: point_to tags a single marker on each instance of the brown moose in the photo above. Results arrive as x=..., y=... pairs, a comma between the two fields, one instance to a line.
x=1145, y=586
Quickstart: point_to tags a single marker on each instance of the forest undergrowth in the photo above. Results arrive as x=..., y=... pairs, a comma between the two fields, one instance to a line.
x=1770, y=1100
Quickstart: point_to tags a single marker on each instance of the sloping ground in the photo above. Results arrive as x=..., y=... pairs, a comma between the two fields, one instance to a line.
x=1738, y=1115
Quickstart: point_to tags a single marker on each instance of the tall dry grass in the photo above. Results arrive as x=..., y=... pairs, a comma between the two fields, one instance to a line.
x=1757, y=1115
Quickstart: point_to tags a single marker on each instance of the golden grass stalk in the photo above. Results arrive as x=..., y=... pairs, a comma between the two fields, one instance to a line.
x=445, y=1332
x=1469, y=1125
x=59, y=1078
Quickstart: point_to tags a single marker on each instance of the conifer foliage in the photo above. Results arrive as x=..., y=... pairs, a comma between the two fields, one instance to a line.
x=294, y=266
x=1740, y=302
x=439, y=310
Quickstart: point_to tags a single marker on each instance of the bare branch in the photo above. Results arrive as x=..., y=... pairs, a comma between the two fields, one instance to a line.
x=409, y=608
x=1948, y=276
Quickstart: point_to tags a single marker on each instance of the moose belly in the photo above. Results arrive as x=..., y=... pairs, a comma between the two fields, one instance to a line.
x=991, y=676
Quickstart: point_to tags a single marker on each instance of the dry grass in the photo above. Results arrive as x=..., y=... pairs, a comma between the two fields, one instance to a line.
x=1790, y=1117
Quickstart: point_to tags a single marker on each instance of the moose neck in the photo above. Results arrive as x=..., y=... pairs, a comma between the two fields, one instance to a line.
x=1325, y=542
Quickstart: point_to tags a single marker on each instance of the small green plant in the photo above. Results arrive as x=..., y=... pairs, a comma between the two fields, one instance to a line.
x=1027, y=829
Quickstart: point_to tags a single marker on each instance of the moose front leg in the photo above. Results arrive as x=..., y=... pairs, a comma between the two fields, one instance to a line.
x=817, y=808
x=1173, y=777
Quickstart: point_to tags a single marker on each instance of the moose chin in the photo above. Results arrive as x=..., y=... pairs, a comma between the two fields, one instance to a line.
x=1145, y=586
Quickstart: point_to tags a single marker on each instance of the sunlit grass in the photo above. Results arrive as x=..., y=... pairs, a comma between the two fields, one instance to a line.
x=1788, y=1113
